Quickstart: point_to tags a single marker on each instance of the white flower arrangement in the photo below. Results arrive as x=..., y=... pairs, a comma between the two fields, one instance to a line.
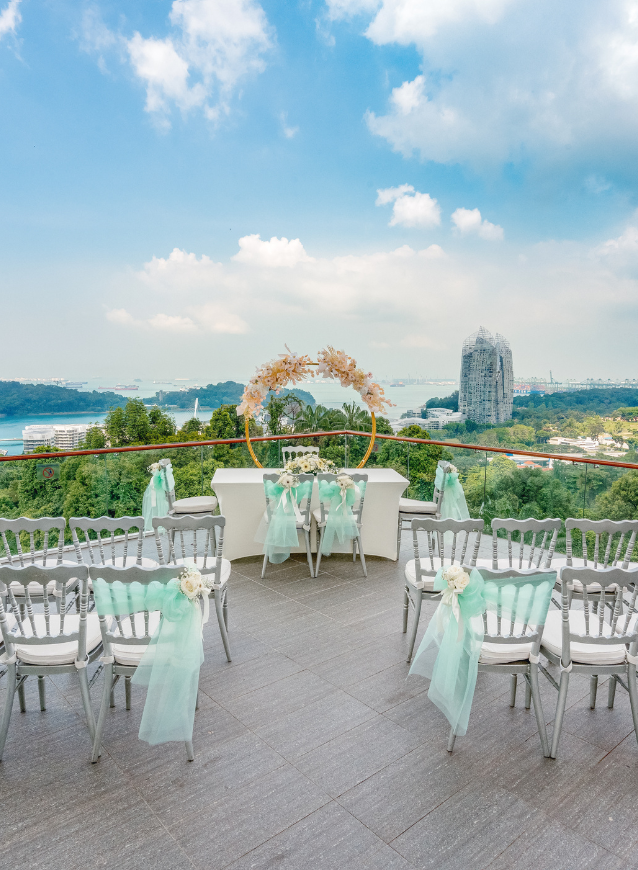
x=310, y=463
x=192, y=584
x=456, y=578
x=345, y=482
x=153, y=468
x=288, y=480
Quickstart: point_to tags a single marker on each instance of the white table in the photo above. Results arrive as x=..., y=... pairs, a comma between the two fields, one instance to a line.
x=242, y=501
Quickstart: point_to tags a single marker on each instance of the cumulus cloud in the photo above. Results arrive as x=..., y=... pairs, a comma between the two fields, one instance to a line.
x=10, y=18
x=274, y=254
x=120, y=316
x=211, y=46
x=172, y=323
x=505, y=81
x=411, y=208
x=468, y=220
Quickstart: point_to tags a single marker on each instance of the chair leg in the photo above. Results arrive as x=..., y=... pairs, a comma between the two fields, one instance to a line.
x=361, y=556
x=593, y=688
x=309, y=552
x=528, y=695
x=399, y=530
x=318, y=562
x=190, y=755
x=225, y=608
x=8, y=706
x=417, y=614
x=21, y=696
x=611, y=692
x=107, y=691
x=42, y=693
x=406, y=609
x=513, y=684
x=263, y=567
x=538, y=708
x=451, y=739
x=633, y=695
x=354, y=549
x=560, y=711
x=86, y=700
x=127, y=692
x=112, y=691
x=222, y=624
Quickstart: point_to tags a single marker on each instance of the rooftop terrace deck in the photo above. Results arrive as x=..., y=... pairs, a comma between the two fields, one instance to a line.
x=312, y=751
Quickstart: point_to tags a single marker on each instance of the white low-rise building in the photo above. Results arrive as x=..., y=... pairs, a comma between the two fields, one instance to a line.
x=61, y=437
x=437, y=418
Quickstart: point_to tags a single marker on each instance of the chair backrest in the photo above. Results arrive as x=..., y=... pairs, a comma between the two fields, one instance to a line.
x=516, y=605
x=294, y=452
x=359, y=477
x=603, y=625
x=168, y=475
x=95, y=546
x=125, y=628
x=52, y=626
x=205, y=552
x=42, y=525
x=463, y=549
x=304, y=503
x=437, y=498
x=606, y=554
x=537, y=550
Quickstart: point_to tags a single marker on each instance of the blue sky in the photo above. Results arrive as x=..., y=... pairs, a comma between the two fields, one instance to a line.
x=205, y=180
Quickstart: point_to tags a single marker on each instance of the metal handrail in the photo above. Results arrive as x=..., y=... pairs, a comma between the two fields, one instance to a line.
x=562, y=457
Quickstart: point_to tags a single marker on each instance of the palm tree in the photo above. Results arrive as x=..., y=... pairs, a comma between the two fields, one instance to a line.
x=355, y=418
x=315, y=419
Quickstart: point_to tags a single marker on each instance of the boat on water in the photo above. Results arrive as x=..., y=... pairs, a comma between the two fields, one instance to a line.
x=121, y=387
x=399, y=384
x=75, y=384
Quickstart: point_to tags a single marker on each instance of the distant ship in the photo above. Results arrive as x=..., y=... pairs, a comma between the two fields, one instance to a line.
x=121, y=387
x=399, y=384
x=75, y=384
x=137, y=380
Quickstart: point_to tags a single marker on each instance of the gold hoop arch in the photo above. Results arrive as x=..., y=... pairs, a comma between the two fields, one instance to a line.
x=373, y=435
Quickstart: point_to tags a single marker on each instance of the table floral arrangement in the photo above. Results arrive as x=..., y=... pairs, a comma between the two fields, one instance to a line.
x=310, y=463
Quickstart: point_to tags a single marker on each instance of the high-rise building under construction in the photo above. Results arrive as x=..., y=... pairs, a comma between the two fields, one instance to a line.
x=487, y=378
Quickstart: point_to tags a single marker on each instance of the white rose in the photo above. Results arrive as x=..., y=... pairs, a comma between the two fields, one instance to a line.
x=456, y=577
x=191, y=585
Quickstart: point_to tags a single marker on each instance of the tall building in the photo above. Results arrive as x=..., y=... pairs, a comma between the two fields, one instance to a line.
x=61, y=437
x=487, y=378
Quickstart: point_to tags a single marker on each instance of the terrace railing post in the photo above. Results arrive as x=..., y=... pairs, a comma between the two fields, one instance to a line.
x=585, y=491
x=201, y=464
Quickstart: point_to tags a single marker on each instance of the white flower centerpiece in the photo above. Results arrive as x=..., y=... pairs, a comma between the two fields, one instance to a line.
x=457, y=581
x=310, y=463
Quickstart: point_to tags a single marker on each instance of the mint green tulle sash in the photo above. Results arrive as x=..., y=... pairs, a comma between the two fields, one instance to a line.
x=171, y=661
x=449, y=652
x=340, y=522
x=155, y=502
x=279, y=536
x=453, y=504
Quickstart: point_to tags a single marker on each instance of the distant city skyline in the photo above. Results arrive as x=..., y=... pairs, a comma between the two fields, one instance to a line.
x=203, y=181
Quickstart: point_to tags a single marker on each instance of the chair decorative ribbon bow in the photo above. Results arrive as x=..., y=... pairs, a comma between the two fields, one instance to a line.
x=155, y=502
x=471, y=609
x=453, y=504
x=338, y=497
x=283, y=519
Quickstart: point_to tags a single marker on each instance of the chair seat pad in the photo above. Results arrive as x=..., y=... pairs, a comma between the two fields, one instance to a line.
x=317, y=515
x=129, y=653
x=416, y=507
x=211, y=564
x=585, y=653
x=504, y=653
x=425, y=583
x=199, y=504
x=58, y=653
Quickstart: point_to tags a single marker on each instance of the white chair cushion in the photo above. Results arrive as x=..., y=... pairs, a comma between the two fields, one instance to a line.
x=211, y=564
x=585, y=653
x=425, y=583
x=199, y=504
x=131, y=654
x=418, y=508
x=58, y=653
x=504, y=653
x=317, y=515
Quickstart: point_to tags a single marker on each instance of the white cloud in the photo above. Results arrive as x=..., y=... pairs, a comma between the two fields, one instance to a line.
x=216, y=318
x=211, y=46
x=276, y=253
x=506, y=81
x=10, y=17
x=172, y=323
x=469, y=220
x=120, y=316
x=411, y=208
x=288, y=131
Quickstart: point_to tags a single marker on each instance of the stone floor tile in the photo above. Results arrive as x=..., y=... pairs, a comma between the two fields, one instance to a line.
x=278, y=699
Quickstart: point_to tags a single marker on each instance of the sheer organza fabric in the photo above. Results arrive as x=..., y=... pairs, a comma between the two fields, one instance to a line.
x=449, y=652
x=170, y=664
x=155, y=501
x=337, y=503
x=278, y=532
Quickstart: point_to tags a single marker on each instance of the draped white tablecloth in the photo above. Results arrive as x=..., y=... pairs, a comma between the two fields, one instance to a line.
x=242, y=501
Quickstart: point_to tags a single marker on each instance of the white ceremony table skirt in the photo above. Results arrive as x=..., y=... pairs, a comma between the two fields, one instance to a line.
x=242, y=501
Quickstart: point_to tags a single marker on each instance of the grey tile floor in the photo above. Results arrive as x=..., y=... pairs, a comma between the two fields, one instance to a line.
x=314, y=751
